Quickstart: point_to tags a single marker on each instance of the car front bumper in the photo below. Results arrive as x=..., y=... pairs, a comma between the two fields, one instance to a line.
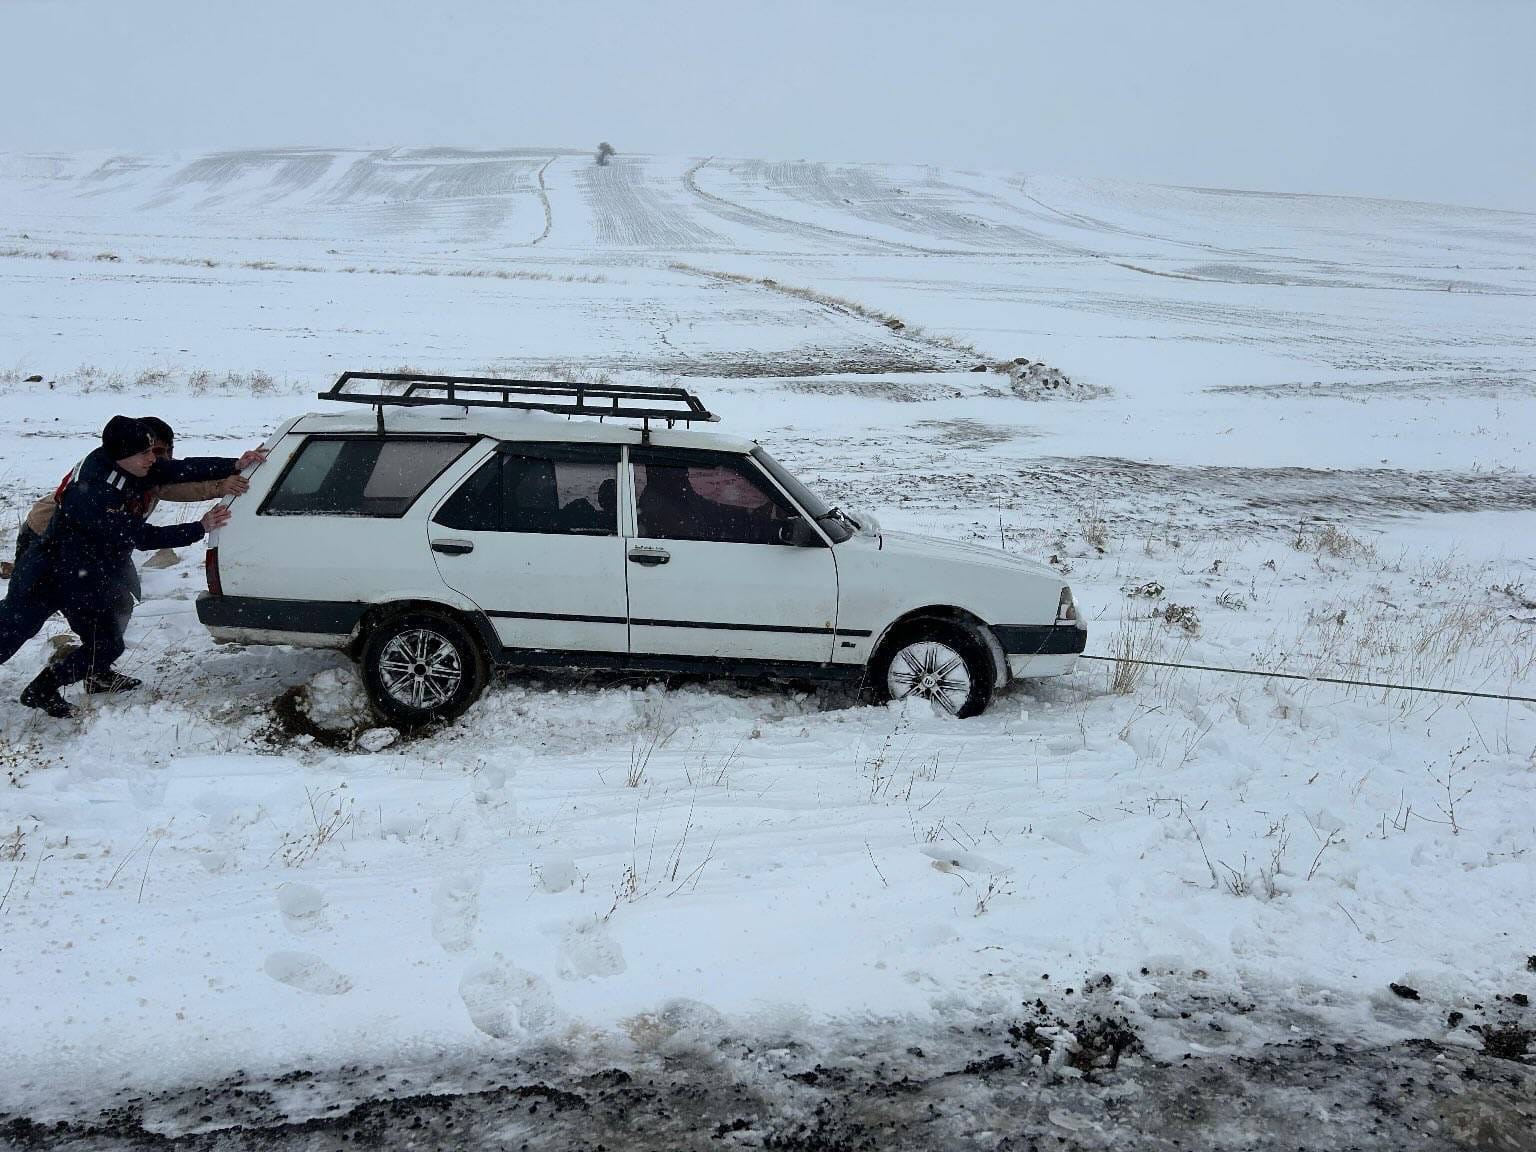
x=1041, y=649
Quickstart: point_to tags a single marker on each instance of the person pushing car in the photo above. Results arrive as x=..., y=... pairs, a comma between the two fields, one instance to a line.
x=130, y=591
x=76, y=566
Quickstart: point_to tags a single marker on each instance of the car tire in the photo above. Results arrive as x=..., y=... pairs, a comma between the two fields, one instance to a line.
x=938, y=660
x=422, y=667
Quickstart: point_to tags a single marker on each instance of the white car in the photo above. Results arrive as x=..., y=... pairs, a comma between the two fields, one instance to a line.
x=466, y=525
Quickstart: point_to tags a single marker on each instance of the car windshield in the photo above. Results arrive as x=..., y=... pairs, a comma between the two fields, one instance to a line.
x=833, y=523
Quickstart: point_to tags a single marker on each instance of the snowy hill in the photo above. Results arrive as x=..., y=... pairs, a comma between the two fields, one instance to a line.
x=1281, y=433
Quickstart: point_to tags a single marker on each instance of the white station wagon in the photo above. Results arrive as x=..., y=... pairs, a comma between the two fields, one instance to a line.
x=469, y=524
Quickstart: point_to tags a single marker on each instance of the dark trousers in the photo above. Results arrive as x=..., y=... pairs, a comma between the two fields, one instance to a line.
x=32, y=598
x=25, y=538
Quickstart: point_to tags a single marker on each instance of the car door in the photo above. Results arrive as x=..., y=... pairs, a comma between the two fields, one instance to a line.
x=532, y=537
x=712, y=569
x=335, y=496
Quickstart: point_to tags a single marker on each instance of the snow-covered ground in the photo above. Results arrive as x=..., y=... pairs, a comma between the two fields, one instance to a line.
x=1293, y=435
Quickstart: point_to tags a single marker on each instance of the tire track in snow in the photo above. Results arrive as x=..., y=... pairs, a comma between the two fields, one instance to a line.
x=935, y=209
x=549, y=213
x=1346, y=275
x=779, y=225
x=629, y=210
x=467, y=194
x=1248, y=276
x=1093, y=224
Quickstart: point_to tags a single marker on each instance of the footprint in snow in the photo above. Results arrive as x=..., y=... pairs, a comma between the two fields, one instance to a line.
x=302, y=906
x=948, y=860
x=456, y=911
x=557, y=873
x=307, y=973
x=505, y=1002
x=588, y=950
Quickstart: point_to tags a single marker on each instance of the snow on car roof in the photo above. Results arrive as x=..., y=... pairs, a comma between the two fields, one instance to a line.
x=444, y=418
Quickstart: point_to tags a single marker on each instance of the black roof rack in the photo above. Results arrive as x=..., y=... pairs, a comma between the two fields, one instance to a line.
x=600, y=400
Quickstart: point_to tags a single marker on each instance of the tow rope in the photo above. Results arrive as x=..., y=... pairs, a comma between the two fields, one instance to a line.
x=1316, y=679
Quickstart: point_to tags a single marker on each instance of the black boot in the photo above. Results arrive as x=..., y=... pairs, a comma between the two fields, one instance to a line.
x=110, y=681
x=43, y=694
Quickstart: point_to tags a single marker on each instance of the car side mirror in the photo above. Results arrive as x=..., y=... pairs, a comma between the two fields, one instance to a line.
x=798, y=533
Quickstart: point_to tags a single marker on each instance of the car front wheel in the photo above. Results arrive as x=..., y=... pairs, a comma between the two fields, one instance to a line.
x=939, y=661
x=422, y=668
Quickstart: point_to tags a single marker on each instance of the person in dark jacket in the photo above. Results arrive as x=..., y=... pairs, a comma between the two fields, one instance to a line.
x=130, y=590
x=191, y=492
x=76, y=567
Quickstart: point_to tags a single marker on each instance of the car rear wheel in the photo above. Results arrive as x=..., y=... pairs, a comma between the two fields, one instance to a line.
x=935, y=660
x=422, y=667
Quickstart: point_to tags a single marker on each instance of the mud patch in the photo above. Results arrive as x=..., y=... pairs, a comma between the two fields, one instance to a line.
x=1133, y=496
x=896, y=391
x=301, y=716
x=1508, y=1041
x=973, y=433
x=999, y=1085
x=868, y=360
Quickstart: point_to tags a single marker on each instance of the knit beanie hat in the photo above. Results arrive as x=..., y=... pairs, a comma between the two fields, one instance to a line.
x=124, y=437
x=159, y=429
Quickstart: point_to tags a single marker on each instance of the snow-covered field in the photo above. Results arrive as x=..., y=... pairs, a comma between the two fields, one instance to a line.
x=1289, y=434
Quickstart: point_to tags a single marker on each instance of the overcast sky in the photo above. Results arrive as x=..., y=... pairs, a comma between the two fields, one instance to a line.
x=1422, y=99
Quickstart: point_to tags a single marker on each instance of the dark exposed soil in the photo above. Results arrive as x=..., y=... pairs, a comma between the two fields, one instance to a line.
x=1034, y=1081
x=814, y=362
x=292, y=722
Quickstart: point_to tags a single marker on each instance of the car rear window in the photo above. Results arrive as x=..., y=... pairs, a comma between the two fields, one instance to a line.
x=340, y=476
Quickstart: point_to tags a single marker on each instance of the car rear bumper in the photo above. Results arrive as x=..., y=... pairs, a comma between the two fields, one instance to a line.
x=262, y=620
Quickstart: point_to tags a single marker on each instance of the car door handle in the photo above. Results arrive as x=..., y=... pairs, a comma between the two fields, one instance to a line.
x=650, y=557
x=452, y=547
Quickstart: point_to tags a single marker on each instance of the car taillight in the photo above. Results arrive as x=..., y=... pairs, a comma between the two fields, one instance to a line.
x=211, y=571
x=1066, y=609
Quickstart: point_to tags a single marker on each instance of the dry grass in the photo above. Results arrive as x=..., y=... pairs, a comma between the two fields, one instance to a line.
x=1095, y=528
x=1331, y=540
x=279, y=266
x=1456, y=636
x=1182, y=616
x=841, y=305
x=89, y=379
x=1137, y=638
x=330, y=814
x=560, y=370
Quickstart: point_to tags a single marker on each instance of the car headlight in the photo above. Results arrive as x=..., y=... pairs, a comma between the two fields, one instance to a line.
x=1066, y=608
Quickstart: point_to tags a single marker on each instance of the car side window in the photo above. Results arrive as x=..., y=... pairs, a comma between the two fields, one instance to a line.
x=475, y=505
x=716, y=499
x=341, y=476
x=549, y=492
x=566, y=497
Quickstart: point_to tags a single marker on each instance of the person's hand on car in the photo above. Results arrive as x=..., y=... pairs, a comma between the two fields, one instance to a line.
x=215, y=518
x=254, y=456
x=232, y=486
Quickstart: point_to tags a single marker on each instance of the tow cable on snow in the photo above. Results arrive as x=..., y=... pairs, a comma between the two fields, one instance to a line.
x=1314, y=679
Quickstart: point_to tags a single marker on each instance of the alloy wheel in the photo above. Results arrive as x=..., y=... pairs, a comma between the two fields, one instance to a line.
x=932, y=670
x=420, y=669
